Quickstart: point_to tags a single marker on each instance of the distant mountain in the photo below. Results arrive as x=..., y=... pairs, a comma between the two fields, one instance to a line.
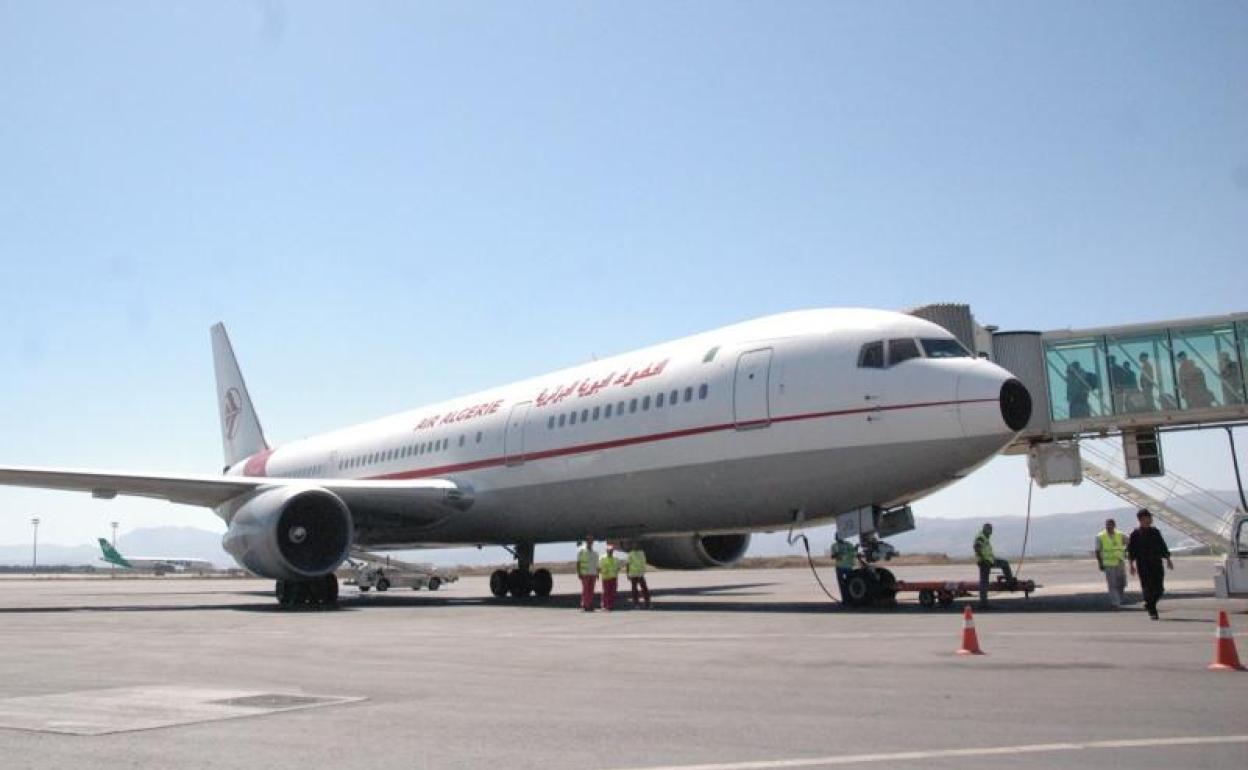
x=1052, y=535
x=151, y=541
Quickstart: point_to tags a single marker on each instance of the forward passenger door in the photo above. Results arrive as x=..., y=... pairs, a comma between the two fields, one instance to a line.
x=751, y=389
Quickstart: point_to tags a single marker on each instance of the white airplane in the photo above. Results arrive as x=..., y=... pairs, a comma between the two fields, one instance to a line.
x=685, y=447
x=157, y=564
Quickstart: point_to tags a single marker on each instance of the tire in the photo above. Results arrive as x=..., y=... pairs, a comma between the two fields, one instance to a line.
x=946, y=598
x=435, y=583
x=383, y=584
x=519, y=584
x=927, y=598
x=886, y=585
x=284, y=595
x=543, y=582
x=363, y=589
x=329, y=590
x=858, y=588
x=498, y=583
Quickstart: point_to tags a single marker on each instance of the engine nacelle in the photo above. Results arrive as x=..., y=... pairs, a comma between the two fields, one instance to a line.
x=291, y=533
x=695, y=551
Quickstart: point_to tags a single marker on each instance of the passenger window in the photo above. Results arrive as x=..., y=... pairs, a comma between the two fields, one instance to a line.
x=572, y=419
x=645, y=404
x=688, y=395
x=478, y=437
x=632, y=406
x=461, y=436
x=584, y=415
x=902, y=350
x=871, y=356
x=563, y=418
x=619, y=408
x=606, y=414
x=550, y=424
x=674, y=397
x=597, y=410
x=658, y=401
x=702, y=391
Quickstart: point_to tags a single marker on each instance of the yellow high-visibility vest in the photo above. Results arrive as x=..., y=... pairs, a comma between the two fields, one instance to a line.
x=609, y=567
x=1112, y=549
x=983, y=549
x=846, y=555
x=636, y=563
x=587, y=562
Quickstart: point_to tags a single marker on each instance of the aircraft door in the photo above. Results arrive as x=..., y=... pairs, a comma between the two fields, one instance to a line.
x=513, y=440
x=750, y=393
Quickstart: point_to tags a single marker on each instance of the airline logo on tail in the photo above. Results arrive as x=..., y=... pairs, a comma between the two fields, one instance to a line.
x=230, y=410
x=112, y=557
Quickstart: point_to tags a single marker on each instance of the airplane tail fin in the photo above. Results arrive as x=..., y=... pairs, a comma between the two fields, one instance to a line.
x=241, y=434
x=111, y=556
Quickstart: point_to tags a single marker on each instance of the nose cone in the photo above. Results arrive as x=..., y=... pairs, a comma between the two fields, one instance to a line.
x=992, y=402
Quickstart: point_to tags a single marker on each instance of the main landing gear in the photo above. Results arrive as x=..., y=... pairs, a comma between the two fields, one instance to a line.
x=319, y=592
x=523, y=580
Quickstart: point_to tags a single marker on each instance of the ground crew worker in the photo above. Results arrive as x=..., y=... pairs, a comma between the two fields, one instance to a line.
x=609, y=569
x=587, y=571
x=1146, y=549
x=986, y=560
x=1111, y=551
x=637, y=574
x=846, y=555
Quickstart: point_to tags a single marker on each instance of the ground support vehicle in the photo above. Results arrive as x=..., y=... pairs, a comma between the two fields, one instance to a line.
x=945, y=591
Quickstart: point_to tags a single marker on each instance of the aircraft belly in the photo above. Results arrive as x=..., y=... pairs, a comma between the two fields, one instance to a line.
x=730, y=494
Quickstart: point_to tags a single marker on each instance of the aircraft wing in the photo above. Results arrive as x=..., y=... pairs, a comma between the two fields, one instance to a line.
x=211, y=491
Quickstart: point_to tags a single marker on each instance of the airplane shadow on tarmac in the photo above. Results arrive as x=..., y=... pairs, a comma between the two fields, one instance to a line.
x=665, y=600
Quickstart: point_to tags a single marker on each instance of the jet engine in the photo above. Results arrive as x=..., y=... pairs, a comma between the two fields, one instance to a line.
x=695, y=551
x=290, y=533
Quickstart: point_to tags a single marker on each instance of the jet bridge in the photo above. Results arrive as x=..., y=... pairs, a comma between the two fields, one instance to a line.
x=1135, y=381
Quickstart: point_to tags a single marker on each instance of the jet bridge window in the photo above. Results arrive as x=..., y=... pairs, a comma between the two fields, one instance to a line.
x=938, y=348
x=871, y=356
x=902, y=350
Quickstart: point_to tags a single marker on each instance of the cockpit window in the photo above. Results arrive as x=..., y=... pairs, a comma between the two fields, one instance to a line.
x=871, y=356
x=938, y=348
x=902, y=350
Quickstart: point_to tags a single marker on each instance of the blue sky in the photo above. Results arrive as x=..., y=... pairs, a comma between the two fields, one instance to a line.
x=392, y=203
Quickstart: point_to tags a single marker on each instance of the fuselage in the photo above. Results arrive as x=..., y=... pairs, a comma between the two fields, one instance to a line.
x=731, y=430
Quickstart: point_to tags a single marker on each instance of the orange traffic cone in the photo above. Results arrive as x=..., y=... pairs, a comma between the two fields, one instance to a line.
x=970, y=641
x=1225, y=658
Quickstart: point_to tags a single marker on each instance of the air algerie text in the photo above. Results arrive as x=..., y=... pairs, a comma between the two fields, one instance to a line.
x=450, y=418
x=592, y=385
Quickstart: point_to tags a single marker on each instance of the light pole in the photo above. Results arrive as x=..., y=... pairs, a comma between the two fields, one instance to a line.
x=34, y=551
x=114, y=566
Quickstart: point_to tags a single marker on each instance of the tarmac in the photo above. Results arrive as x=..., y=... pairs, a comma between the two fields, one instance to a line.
x=730, y=670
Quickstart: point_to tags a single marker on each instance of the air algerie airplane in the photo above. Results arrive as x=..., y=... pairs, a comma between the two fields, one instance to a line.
x=684, y=448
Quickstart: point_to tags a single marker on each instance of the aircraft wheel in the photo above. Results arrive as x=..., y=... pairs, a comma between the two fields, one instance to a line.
x=363, y=589
x=886, y=586
x=285, y=596
x=519, y=583
x=329, y=589
x=435, y=583
x=858, y=588
x=383, y=584
x=498, y=583
x=543, y=582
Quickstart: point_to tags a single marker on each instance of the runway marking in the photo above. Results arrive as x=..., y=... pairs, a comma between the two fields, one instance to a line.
x=988, y=751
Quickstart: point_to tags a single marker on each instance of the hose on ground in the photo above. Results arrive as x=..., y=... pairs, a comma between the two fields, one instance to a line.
x=809, y=558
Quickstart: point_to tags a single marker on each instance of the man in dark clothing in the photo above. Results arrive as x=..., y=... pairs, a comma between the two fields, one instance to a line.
x=1146, y=549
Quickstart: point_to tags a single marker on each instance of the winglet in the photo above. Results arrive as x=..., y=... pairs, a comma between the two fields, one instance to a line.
x=112, y=557
x=241, y=434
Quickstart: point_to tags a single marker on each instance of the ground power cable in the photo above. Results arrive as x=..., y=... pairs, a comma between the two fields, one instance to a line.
x=1022, y=557
x=797, y=519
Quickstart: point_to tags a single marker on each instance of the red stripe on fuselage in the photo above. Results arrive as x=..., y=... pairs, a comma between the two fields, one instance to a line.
x=623, y=442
